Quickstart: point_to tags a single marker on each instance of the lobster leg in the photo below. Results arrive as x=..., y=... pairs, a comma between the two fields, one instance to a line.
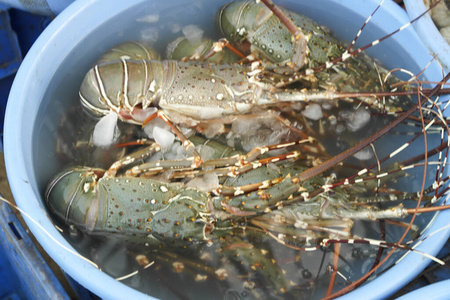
x=112, y=171
x=233, y=165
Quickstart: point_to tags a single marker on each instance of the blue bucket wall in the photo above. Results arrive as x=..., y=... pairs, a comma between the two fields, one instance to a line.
x=18, y=30
x=24, y=274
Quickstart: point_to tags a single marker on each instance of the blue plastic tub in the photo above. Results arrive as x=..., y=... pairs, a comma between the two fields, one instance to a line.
x=436, y=291
x=89, y=27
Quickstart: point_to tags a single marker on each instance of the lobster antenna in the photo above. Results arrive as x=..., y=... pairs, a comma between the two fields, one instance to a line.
x=351, y=151
x=347, y=54
x=384, y=244
x=362, y=27
x=135, y=272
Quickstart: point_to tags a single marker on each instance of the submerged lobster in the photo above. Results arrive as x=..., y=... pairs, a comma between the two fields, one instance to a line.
x=259, y=202
x=196, y=93
x=149, y=212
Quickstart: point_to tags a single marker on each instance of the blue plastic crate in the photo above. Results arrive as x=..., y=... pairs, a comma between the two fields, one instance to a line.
x=11, y=56
x=10, y=59
x=18, y=31
x=24, y=274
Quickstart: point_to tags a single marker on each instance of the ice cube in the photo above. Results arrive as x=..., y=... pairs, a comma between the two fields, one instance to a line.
x=150, y=18
x=148, y=128
x=175, y=27
x=150, y=34
x=106, y=131
x=358, y=119
x=205, y=183
x=193, y=33
x=213, y=129
x=206, y=152
x=163, y=137
x=313, y=112
x=364, y=154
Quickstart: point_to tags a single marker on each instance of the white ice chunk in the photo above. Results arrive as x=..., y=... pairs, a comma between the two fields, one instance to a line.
x=333, y=120
x=157, y=156
x=150, y=18
x=257, y=139
x=327, y=105
x=193, y=33
x=339, y=128
x=313, y=112
x=150, y=34
x=255, y=132
x=186, y=131
x=205, y=183
x=106, y=131
x=172, y=46
x=244, y=125
x=364, y=154
x=163, y=137
x=206, y=152
x=175, y=27
x=176, y=151
x=148, y=128
x=214, y=129
x=358, y=119
x=231, y=136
